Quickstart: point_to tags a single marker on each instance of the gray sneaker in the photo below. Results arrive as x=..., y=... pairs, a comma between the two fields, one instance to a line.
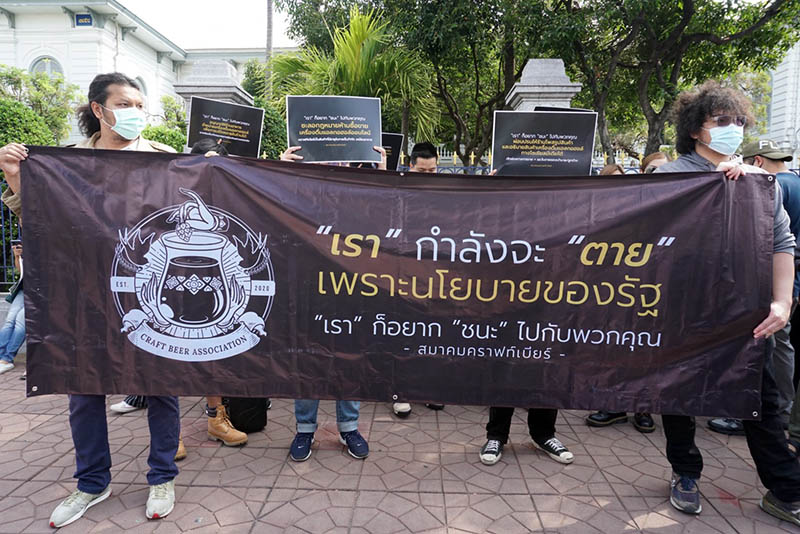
x=161, y=500
x=788, y=511
x=684, y=494
x=73, y=507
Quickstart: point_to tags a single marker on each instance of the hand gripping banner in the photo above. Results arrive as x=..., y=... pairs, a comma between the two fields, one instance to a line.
x=163, y=274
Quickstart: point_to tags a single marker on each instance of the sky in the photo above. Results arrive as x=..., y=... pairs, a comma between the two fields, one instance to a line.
x=212, y=24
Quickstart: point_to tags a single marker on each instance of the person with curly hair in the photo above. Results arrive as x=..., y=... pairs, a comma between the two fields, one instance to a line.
x=710, y=122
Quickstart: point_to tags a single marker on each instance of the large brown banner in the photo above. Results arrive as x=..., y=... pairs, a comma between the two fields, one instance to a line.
x=177, y=274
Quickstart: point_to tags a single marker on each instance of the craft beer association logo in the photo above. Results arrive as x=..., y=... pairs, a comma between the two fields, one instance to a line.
x=192, y=282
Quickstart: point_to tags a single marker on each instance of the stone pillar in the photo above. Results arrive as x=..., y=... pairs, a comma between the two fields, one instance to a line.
x=544, y=82
x=211, y=78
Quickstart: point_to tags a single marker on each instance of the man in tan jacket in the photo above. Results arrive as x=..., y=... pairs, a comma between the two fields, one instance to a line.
x=113, y=119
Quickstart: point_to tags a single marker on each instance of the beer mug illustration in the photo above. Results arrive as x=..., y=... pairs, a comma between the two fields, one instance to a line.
x=192, y=291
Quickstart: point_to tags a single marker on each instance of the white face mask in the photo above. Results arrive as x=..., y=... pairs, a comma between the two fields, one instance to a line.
x=725, y=140
x=129, y=122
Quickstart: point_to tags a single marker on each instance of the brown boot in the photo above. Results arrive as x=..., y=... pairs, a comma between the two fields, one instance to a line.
x=181, y=453
x=220, y=428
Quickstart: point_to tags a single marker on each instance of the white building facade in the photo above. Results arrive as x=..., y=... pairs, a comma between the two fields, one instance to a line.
x=84, y=38
x=784, y=116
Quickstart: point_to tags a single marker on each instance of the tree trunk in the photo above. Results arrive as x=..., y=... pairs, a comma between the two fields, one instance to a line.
x=268, y=66
x=655, y=133
x=605, y=137
x=404, y=120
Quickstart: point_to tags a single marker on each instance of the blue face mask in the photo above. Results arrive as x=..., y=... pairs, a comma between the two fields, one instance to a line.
x=129, y=122
x=725, y=139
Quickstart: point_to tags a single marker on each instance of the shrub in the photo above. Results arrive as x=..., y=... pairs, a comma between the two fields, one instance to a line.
x=164, y=134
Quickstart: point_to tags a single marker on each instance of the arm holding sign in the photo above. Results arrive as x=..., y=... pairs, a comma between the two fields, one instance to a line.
x=289, y=154
x=782, y=285
x=382, y=151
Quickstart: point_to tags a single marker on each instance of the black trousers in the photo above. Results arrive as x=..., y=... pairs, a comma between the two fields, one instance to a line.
x=541, y=423
x=778, y=469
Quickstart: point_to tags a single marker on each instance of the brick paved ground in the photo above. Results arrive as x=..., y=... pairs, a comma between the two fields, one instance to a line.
x=422, y=475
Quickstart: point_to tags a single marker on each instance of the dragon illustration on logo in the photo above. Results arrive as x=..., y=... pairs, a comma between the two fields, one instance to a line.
x=193, y=298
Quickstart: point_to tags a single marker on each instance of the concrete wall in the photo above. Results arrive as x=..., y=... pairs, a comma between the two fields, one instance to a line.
x=84, y=52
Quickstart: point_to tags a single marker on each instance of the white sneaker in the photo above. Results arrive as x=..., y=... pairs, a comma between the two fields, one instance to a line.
x=401, y=409
x=73, y=507
x=124, y=407
x=161, y=500
x=5, y=366
x=491, y=452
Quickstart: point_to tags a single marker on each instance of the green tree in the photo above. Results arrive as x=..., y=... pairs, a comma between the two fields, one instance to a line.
x=365, y=62
x=477, y=51
x=52, y=99
x=312, y=22
x=273, y=134
x=167, y=135
x=758, y=88
x=173, y=113
x=19, y=124
x=684, y=43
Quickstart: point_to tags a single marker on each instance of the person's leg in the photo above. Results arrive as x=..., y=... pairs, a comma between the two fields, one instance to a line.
x=682, y=453
x=499, y=424
x=783, y=362
x=8, y=334
x=542, y=427
x=87, y=421
x=686, y=461
x=347, y=422
x=542, y=424
x=347, y=415
x=164, y=419
x=17, y=336
x=305, y=413
x=139, y=401
x=211, y=404
x=776, y=465
x=219, y=425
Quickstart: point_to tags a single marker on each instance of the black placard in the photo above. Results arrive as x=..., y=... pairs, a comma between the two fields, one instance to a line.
x=392, y=143
x=334, y=128
x=238, y=127
x=543, y=143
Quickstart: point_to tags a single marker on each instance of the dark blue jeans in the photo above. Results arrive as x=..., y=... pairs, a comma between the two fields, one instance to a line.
x=87, y=420
x=778, y=469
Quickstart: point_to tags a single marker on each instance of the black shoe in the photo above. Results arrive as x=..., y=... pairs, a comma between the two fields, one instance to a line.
x=731, y=427
x=604, y=418
x=435, y=406
x=643, y=422
x=788, y=511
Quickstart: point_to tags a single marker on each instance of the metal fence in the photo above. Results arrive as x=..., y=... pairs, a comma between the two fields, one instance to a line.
x=11, y=231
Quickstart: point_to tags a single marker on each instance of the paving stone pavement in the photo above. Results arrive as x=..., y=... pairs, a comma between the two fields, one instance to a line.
x=423, y=475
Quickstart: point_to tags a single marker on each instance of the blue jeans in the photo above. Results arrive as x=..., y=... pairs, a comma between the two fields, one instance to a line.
x=305, y=411
x=12, y=334
x=87, y=420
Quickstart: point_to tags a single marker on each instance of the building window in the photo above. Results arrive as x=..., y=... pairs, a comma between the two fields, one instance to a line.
x=48, y=65
x=142, y=86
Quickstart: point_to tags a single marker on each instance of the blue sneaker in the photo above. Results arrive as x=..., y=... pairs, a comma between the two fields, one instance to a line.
x=684, y=494
x=356, y=444
x=300, y=450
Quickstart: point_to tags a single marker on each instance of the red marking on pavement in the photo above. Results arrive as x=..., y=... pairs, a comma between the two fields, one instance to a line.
x=728, y=497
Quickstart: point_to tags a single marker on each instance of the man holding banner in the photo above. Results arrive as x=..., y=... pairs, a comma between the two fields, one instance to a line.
x=710, y=122
x=113, y=119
